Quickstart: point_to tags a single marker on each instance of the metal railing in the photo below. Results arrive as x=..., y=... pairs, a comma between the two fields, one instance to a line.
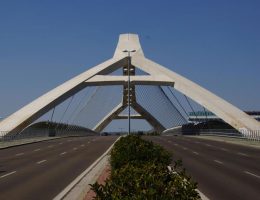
x=6, y=137
x=242, y=134
x=40, y=133
x=251, y=135
x=227, y=132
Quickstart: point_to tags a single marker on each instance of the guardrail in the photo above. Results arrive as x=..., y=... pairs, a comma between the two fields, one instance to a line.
x=251, y=135
x=5, y=137
x=243, y=134
x=227, y=132
x=40, y=133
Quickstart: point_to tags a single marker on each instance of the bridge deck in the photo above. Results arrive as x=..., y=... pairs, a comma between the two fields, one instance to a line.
x=222, y=170
x=42, y=170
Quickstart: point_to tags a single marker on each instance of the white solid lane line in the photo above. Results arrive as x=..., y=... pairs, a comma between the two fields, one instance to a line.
x=37, y=150
x=8, y=174
x=257, y=176
x=63, y=153
x=42, y=161
x=19, y=154
x=217, y=161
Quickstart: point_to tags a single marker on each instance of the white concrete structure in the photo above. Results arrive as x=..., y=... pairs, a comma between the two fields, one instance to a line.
x=157, y=75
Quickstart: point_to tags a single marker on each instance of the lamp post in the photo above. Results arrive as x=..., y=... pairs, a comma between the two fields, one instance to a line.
x=128, y=87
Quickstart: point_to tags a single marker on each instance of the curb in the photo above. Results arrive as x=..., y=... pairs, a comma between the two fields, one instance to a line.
x=42, y=140
x=78, y=188
x=21, y=144
x=202, y=196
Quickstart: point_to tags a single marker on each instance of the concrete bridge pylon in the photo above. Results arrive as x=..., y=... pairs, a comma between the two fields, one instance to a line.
x=156, y=75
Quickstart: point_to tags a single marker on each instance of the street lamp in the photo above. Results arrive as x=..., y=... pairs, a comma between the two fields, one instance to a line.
x=128, y=87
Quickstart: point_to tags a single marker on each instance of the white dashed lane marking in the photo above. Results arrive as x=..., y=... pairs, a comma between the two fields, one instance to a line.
x=184, y=148
x=242, y=154
x=195, y=152
x=75, y=148
x=60, y=143
x=82, y=145
x=223, y=149
x=37, y=150
x=257, y=176
x=63, y=153
x=19, y=154
x=8, y=174
x=42, y=161
x=217, y=161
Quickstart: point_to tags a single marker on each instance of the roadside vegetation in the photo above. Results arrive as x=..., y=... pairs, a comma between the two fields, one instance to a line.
x=141, y=169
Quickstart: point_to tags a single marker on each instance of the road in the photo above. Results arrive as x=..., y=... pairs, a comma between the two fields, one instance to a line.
x=223, y=171
x=42, y=170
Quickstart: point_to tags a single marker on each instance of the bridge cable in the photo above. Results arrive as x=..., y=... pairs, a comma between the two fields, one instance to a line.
x=71, y=99
x=51, y=118
x=205, y=112
x=53, y=113
x=176, y=115
x=168, y=87
x=180, y=115
x=191, y=107
x=86, y=103
x=206, y=115
x=104, y=106
x=159, y=105
x=77, y=107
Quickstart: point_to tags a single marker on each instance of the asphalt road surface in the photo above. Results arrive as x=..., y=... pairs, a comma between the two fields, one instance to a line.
x=42, y=170
x=222, y=170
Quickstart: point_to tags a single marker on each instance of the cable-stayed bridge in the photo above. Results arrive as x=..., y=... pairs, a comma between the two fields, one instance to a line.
x=128, y=80
x=127, y=86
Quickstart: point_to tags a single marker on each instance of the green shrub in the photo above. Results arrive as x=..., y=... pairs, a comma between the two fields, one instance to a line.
x=139, y=172
x=133, y=150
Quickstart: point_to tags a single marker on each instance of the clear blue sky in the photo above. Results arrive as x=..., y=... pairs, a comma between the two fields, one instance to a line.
x=214, y=43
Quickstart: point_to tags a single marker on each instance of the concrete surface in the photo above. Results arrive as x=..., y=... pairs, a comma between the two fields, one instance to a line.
x=42, y=170
x=121, y=59
x=223, y=171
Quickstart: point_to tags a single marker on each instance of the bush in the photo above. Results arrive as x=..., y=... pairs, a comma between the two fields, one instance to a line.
x=139, y=171
x=133, y=150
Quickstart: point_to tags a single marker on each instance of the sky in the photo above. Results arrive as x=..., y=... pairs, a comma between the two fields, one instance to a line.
x=215, y=43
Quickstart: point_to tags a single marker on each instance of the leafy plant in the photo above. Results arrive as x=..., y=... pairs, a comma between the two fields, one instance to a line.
x=133, y=150
x=140, y=172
